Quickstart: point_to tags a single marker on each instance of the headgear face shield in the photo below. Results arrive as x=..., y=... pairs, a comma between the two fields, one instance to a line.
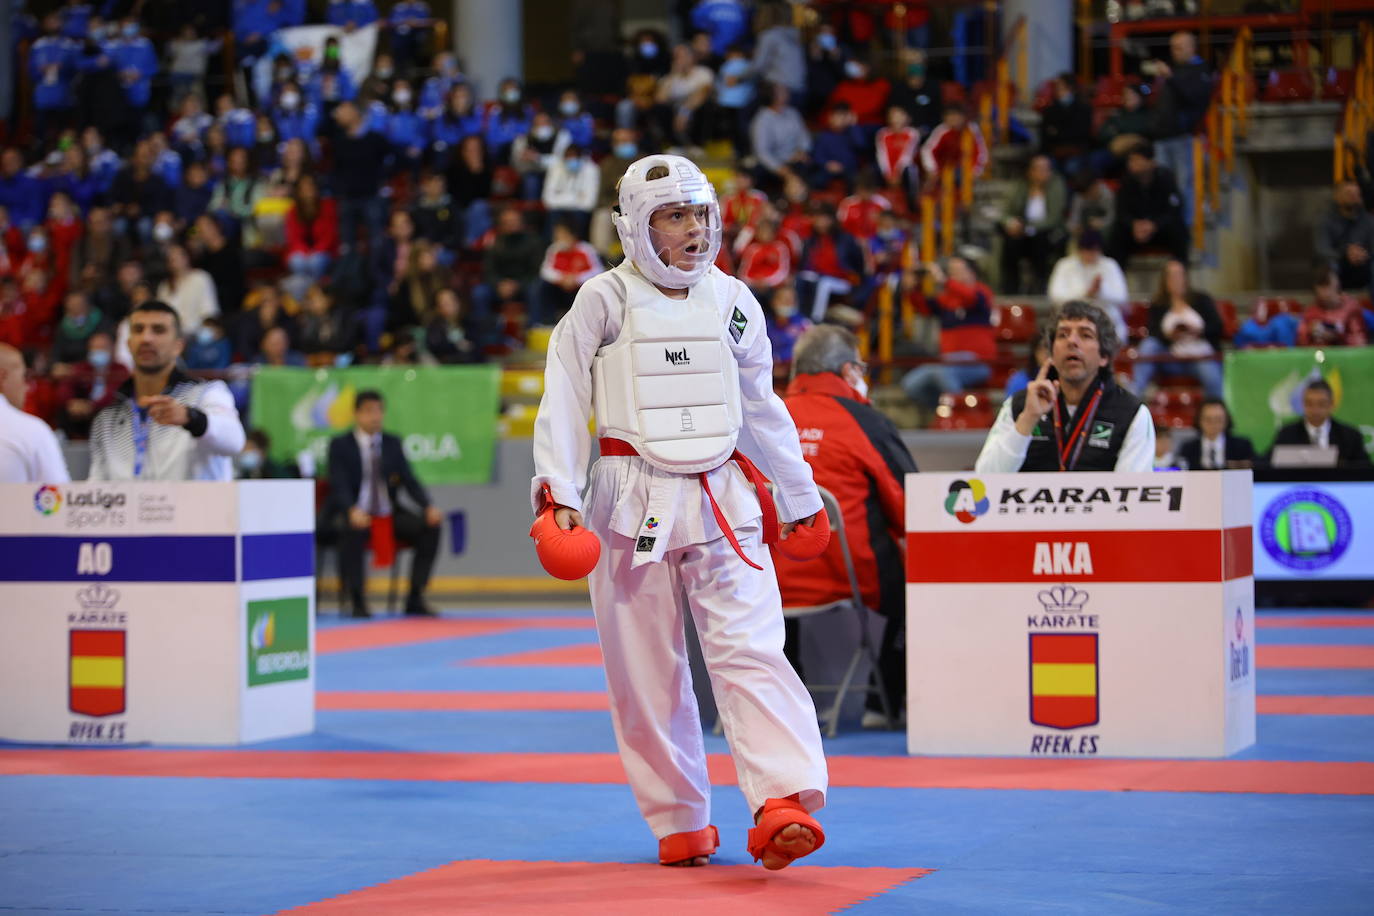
x=669, y=225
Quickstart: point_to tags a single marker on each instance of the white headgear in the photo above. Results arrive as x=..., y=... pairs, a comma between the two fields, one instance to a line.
x=641, y=196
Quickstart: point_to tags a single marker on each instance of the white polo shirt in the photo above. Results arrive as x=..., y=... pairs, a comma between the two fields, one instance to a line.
x=29, y=452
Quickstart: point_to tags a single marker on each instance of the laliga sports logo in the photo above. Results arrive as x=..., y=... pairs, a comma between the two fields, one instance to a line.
x=264, y=632
x=47, y=500
x=1305, y=530
x=967, y=500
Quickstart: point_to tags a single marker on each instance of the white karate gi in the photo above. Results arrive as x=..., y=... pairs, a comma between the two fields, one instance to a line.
x=768, y=715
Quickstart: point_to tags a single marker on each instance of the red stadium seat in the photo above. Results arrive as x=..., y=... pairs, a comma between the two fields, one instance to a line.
x=1015, y=323
x=964, y=411
x=1337, y=83
x=1290, y=85
x=1170, y=398
x=1044, y=95
x=1138, y=320
x=1172, y=417
x=1110, y=91
x=1230, y=322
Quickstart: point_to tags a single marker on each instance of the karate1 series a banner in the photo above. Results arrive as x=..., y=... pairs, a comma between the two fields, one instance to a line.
x=1264, y=388
x=446, y=416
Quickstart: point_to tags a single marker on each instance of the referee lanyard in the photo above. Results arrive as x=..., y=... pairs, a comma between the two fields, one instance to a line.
x=1070, y=450
x=142, y=427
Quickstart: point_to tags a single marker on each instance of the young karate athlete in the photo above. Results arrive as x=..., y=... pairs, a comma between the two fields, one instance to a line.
x=672, y=358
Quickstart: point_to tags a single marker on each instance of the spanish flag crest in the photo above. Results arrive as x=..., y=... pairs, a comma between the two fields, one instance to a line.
x=96, y=672
x=1063, y=679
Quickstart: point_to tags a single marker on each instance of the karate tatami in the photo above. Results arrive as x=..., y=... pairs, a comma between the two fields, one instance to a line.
x=467, y=764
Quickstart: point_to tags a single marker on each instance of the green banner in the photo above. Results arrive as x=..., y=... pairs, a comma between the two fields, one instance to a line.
x=1264, y=388
x=446, y=416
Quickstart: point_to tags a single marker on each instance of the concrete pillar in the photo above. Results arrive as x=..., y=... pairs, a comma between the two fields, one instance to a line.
x=1049, y=38
x=489, y=40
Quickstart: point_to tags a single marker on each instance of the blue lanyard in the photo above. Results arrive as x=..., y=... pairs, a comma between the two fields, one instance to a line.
x=142, y=427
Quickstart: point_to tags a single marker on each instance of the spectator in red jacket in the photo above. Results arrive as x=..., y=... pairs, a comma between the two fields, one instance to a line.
x=568, y=263
x=65, y=228
x=856, y=453
x=967, y=340
x=312, y=235
x=766, y=261
x=90, y=386
x=1334, y=318
x=866, y=94
x=743, y=207
x=858, y=213
x=944, y=147
x=897, y=145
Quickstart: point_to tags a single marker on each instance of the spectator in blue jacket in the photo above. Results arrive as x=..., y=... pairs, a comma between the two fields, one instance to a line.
x=77, y=180
x=574, y=120
x=104, y=163
x=837, y=151
x=351, y=14
x=52, y=67
x=406, y=131
x=508, y=121
x=726, y=21
x=136, y=61
x=436, y=88
x=459, y=120
x=192, y=197
x=166, y=164
x=20, y=193
x=410, y=21
x=295, y=118
x=254, y=23
x=76, y=19
x=238, y=123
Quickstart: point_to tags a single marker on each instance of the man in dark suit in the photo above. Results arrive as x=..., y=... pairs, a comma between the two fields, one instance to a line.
x=1215, y=448
x=1317, y=427
x=367, y=472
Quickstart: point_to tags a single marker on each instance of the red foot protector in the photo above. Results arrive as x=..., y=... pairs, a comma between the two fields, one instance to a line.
x=679, y=847
x=587, y=888
x=778, y=814
x=563, y=554
x=806, y=542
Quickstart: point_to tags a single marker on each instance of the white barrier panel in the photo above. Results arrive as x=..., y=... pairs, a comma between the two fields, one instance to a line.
x=157, y=612
x=1080, y=614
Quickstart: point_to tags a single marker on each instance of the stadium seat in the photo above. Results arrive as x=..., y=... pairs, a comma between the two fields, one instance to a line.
x=1291, y=85
x=964, y=411
x=1138, y=320
x=1171, y=398
x=1337, y=83
x=1044, y=95
x=1015, y=323
x=1230, y=321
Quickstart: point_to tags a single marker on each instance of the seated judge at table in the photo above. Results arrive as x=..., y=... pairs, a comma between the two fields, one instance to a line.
x=1318, y=427
x=368, y=471
x=1215, y=448
x=1072, y=416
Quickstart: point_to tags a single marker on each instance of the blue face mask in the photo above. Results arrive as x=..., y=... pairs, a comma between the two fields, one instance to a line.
x=99, y=359
x=130, y=30
x=648, y=49
x=250, y=461
x=38, y=244
x=626, y=150
x=827, y=41
x=572, y=165
x=205, y=336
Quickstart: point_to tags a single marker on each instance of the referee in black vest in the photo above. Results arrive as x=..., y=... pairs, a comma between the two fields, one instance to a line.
x=1073, y=416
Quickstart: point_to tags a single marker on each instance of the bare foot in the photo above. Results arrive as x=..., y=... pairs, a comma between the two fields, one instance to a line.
x=691, y=863
x=788, y=844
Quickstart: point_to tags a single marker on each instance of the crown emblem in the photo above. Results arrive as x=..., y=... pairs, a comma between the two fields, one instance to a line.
x=1064, y=599
x=98, y=597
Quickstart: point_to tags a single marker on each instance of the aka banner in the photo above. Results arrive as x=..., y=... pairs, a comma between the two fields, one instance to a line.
x=1264, y=388
x=446, y=416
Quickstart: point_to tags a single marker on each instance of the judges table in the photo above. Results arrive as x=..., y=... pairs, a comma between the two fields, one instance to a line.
x=1080, y=614
x=157, y=612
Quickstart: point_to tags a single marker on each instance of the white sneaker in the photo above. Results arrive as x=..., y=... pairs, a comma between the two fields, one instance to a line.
x=873, y=719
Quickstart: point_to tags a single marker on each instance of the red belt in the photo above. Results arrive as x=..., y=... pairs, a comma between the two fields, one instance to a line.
x=619, y=448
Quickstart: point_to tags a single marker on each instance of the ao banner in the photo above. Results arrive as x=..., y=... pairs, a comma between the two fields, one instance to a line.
x=446, y=416
x=1264, y=388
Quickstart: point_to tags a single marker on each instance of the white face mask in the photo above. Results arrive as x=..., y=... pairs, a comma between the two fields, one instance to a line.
x=858, y=383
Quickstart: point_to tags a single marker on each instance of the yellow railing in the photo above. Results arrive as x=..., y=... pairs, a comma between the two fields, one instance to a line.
x=1214, y=147
x=1357, y=117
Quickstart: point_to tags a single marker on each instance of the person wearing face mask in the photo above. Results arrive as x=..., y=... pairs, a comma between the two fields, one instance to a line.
x=857, y=454
x=1066, y=125
x=435, y=90
x=90, y=386
x=778, y=55
x=624, y=150
x=510, y=119
x=570, y=189
x=208, y=347
x=295, y=118
x=915, y=93
x=135, y=62
x=406, y=131
x=574, y=121
x=532, y=153
x=866, y=94
x=72, y=335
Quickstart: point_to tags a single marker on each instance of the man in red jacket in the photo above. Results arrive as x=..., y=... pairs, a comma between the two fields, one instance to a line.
x=857, y=454
x=968, y=342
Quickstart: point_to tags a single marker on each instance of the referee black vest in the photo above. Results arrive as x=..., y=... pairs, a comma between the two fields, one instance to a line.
x=1115, y=413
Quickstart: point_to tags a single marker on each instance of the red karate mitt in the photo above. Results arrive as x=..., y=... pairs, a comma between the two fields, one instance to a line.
x=807, y=542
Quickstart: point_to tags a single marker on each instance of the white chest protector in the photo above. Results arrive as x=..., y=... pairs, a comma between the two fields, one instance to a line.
x=669, y=384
